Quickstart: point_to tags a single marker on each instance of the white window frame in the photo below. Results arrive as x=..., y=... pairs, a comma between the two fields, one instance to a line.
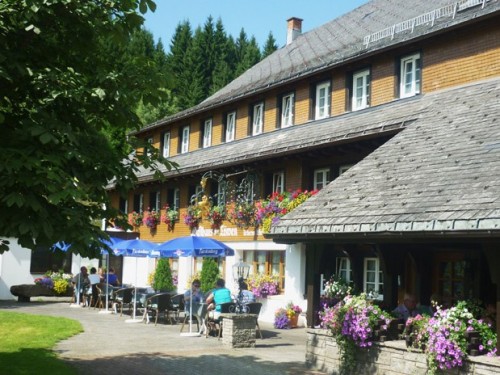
x=157, y=205
x=410, y=76
x=166, y=145
x=150, y=140
x=185, y=140
x=207, y=133
x=324, y=173
x=344, y=269
x=278, y=182
x=177, y=199
x=287, y=108
x=230, y=126
x=322, y=107
x=361, y=90
x=378, y=279
x=258, y=119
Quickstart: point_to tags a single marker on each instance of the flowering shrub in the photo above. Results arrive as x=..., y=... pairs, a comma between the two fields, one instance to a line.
x=135, y=219
x=215, y=216
x=169, y=217
x=262, y=285
x=57, y=281
x=448, y=330
x=270, y=210
x=151, y=219
x=352, y=322
x=292, y=310
x=193, y=217
x=281, y=319
x=415, y=331
x=337, y=288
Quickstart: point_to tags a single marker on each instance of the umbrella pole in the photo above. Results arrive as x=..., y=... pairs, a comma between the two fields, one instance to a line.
x=107, y=283
x=191, y=333
x=134, y=320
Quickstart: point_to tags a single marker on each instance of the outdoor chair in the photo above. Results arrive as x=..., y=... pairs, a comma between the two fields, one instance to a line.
x=101, y=299
x=254, y=309
x=121, y=297
x=215, y=324
x=199, y=314
x=177, y=305
x=157, y=304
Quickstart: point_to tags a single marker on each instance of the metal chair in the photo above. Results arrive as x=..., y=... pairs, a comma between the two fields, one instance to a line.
x=254, y=309
x=157, y=304
x=215, y=324
x=199, y=311
x=121, y=297
x=103, y=291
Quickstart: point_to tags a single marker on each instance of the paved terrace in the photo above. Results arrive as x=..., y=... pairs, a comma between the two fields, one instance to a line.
x=109, y=346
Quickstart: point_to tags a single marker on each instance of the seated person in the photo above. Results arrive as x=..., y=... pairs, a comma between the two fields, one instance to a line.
x=407, y=309
x=111, y=278
x=81, y=283
x=245, y=296
x=195, y=294
x=94, y=279
x=219, y=295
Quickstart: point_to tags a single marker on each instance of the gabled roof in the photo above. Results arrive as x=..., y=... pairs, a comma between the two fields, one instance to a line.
x=375, y=121
x=372, y=27
x=440, y=175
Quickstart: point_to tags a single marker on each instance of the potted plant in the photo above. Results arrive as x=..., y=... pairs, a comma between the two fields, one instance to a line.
x=169, y=217
x=241, y=213
x=192, y=217
x=162, y=280
x=151, y=219
x=209, y=274
x=293, y=311
x=262, y=285
x=336, y=289
x=216, y=216
x=135, y=219
x=415, y=331
x=281, y=320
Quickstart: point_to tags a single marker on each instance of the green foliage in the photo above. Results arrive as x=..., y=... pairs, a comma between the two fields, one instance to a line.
x=60, y=99
x=28, y=340
x=270, y=46
x=209, y=274
x=163, y=276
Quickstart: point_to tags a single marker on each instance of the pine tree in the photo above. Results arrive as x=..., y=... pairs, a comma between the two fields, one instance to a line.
x=251, y=56
x=163, y=276
x=270, y=46
x=209, y=274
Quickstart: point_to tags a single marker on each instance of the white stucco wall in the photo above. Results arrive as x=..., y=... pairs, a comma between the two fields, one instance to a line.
x=14, y=268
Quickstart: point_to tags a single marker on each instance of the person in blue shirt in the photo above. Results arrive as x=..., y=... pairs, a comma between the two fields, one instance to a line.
x=245, y=296
x=219, y=295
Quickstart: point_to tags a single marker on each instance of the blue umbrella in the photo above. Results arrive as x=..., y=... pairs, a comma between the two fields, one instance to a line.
x=139, y=249
x=194, y=246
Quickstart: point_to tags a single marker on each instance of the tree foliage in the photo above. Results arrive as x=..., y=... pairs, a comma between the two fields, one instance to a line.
x=58, y=95
x=163, y=276
x=209, y=274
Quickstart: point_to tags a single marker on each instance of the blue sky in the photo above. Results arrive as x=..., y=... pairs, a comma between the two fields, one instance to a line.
x=257, y=17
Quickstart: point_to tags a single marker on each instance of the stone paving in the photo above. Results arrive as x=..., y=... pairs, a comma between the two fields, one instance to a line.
x=110, y=345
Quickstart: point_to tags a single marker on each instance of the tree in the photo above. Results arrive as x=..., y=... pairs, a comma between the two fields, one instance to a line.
x=58, y=95
x=270, y=46
x=209, y=274
x=163, y=276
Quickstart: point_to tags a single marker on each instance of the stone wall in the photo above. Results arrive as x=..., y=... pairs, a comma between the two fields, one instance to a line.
x=387, y=358
x=238, y=330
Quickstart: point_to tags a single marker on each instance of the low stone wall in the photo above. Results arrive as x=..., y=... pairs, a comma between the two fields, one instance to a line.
x=386, y=358
x=238, y=330
x=24, y=292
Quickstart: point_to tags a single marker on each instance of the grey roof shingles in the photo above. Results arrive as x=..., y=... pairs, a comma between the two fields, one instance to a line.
x=440, y=174
x=333, y=43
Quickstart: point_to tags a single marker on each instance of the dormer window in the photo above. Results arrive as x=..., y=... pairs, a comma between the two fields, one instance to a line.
x=361, y=90
x=322, y=106
x=410, y=76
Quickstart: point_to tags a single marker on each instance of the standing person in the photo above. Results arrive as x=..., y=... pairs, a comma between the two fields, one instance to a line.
x=219, y=295
x=81, y=282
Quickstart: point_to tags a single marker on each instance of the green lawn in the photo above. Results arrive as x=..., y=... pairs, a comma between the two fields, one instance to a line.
x=26, y=343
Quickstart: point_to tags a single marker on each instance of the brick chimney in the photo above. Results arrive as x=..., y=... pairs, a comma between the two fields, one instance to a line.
x=294, y=29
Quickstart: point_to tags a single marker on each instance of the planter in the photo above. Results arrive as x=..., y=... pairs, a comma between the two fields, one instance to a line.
x=294, y=320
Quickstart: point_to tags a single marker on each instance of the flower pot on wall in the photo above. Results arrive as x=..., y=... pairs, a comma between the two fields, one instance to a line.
x=294, y=320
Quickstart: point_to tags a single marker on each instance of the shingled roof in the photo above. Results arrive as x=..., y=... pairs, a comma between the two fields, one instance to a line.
x=377, y=25
x=440, y=175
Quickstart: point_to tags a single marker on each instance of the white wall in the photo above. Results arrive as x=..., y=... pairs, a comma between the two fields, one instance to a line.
x=14, y=268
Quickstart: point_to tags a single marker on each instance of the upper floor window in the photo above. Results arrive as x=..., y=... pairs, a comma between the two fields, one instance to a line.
x=123, y=205
x=154, y=201
x=207, y=133
x=185, y=139
x=230, y=126
x=321, y=178
x=287, y=109
x=361, y=90
x=258, y=119
x=410, y=76
x=166, y=145
x=373, y=278
x=138, y=202
x=322, y=106
x=174, y=198
x=279, y=182
x=150, y=140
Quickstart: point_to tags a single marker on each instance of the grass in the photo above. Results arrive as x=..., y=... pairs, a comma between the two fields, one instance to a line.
x=26, y=343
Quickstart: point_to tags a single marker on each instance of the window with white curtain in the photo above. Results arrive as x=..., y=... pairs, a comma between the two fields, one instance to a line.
x=321, y=178
x=230, y=126
x=166, y=145
x=410, y=76
x=373, y=278
x=207, y=133
x=287, y=108
x=279, y=182
x=185, y=140
x=361, y=90
x=322, y=109
x=258, y=119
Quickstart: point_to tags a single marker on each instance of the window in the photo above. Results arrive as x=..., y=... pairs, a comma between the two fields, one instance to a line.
x=373, y=280
x=174, y=198
x=150, y=141
x=166, y=145
x=230, y=126
x=279, y=182
x=322, y=106
x=154, y=201
x=410, y=76
x=287, y=109
x=185, y=140
x=361, y=90
x=344, y=270
x=45, y=259
x=207, y=133
x=321, y=178
x=123, y=205
x=138, y=202
x=267, y=263
x=344, y=168
x=257, y=119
